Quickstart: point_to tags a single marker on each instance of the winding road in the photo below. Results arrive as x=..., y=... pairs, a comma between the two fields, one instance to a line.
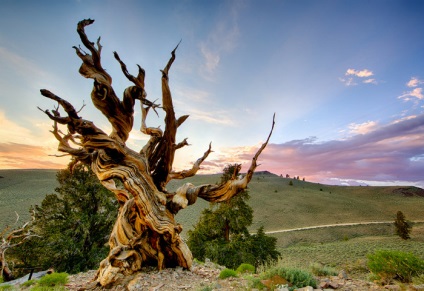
x=334, y=225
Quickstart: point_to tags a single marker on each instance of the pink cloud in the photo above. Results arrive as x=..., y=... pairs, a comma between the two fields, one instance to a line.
x=416, y=93
x=393, y=152
x=361, y=74
x=22, y=156
x=414, y=82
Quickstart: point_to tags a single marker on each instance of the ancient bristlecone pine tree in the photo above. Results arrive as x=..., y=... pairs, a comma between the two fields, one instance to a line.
x=145, y=232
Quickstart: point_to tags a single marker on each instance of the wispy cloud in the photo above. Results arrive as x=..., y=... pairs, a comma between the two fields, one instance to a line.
x=19, y=64
x=21, y=148
x=414, y=82
x=23, y=156
x=352, y=77
x=222, y=39
x=360, y=74
x=216, y=117
x=392, y=152
x=416, y=93
x=362, y=128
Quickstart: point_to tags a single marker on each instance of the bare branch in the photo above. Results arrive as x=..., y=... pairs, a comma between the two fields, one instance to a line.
x=191, y=172
x=188, y=193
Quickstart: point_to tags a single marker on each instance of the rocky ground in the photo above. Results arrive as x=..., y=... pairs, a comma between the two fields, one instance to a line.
x=205, y=277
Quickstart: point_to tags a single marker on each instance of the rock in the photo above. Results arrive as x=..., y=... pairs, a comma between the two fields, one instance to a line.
x=324, y=284
x=307, y=288
x=333, y=285
x=342, y=275
x=392, y=287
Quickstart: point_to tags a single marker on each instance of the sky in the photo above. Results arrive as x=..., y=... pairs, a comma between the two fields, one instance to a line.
x=345, y=80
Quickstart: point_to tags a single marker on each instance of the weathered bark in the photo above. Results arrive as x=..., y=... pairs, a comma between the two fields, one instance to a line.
x=11, y=238
x=145, y=231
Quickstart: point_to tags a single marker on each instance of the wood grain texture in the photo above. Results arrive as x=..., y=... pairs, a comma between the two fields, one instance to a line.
x=145, y=232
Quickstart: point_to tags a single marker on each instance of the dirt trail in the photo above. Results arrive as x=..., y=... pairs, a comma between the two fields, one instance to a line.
x=334, y=225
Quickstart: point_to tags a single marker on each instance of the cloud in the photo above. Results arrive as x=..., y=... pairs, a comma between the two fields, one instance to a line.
x=19, y=64
x=360, y=74
x=370, y=81
x=23, y=156
x=222, y=39
x=417, y=93
x=23, y=148
x=414, y=82
x=354, y=76
x=392, y=152
x=216, y=117
x=362, y=128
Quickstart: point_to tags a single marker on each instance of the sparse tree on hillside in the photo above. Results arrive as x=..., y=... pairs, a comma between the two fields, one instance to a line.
x=145, y=231
x=402, y=226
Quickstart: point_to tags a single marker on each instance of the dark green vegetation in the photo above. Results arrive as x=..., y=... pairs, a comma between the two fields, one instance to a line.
x=221, y=233
x=277, y=205
x=72, y=225
x=402, y=227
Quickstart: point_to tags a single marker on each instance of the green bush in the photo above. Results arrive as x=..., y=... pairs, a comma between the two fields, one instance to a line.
x=320, y=270
x=54, y=279
x=226, y=273
x=298, y=278
x=246, y=268
x=7, y=287
x=395, y=265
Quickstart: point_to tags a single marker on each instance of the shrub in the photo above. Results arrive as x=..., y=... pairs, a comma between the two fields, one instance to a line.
x=7, y=287
x=28, y=283
x=54, y=279
x=418, y=280
x=320, y=270
x=298, y=278
x=226, y=273
x=395, y=265
x=246, y=268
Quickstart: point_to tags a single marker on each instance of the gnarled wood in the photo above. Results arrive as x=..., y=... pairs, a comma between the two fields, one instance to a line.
x=145, y=231
x=11, y=238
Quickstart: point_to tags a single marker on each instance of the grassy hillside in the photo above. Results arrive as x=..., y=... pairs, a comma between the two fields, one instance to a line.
x=19, y=189
x=277, y=205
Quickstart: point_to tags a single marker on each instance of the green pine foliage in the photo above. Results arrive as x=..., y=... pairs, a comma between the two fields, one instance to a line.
x=72, y=224
x=402, y=227
x=222, y=235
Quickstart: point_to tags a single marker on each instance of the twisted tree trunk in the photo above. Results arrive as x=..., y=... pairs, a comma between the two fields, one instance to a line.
x=145, y=232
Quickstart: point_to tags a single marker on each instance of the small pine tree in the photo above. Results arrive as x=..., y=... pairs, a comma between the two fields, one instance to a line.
x=221, y=234
x=402, y=227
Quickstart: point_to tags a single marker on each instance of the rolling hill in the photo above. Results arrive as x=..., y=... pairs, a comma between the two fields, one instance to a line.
x=277, y=204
